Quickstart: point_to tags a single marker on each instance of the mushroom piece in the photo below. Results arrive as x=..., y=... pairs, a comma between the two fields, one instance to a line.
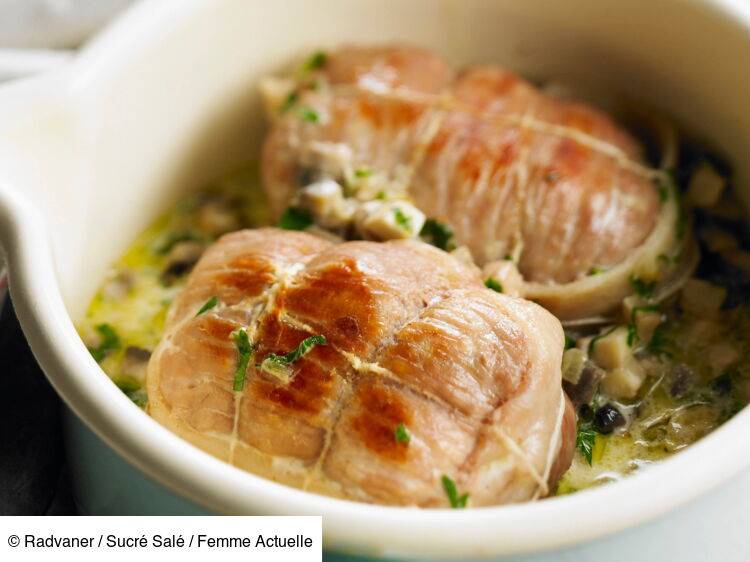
x=181, y=258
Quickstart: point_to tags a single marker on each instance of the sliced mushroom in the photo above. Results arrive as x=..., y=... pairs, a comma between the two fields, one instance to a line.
x=134, y=363
x=181, y=259
x=583, y=390
x=119, y=285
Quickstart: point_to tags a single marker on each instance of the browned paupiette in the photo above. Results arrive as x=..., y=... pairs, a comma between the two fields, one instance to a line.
x=381, y=372
x=556, y=187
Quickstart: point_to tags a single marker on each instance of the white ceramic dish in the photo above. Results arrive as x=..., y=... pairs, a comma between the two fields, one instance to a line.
x=166, y=100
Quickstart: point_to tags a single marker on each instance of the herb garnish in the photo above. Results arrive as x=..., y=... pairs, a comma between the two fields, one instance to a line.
x=245, y=351
x=643, y=288
x=133, y=390
x=660, y=343
x=305, y=112
x=308, y=114
x=596, y=270
x=380, y=195
x=494, y=284
x=402, y=436
x=110, y=342
x=455, y=500
x=295, y=218
x=289, y=102
x=316, y=60
x=362, y=173
x=570, y=343
x=439, y=234
x=209, y=304
x=402, y=219
x=585, y=441
x=632, y=328
x=278, y=365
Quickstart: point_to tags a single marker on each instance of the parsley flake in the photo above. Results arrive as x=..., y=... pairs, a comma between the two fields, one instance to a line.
x=643, y=288
x=308, y=114
x=585, y=441
x=402, y=436
x=278, y=365
x=314, y=61
x=208, y=305
x=110, y=342
x=494, y=284
x=133, y=390
x=245, y=351
x=362, y=173
x=294, y=218
x=438, y=234
x=402, y=219
x=632, y=328
x=456, y=501
x=290, y=101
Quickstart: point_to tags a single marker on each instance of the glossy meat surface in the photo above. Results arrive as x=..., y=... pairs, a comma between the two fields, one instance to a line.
x=413, y=338
x=554, y=184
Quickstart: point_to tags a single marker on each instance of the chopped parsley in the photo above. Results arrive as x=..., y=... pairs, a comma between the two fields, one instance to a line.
x=208, y=305
x=402, y=219
x=642, y=288
x=308, y=114
x=133, y=390
x=585, y=441
x=305, y=112
x=451, y=491
x=289, y=102
x=380, y=195
x=314, y=61
x=295, y=219
x=570, y=343
x=278, y=365
x=660, y=343
x=245, y=351
x=362, y=173
x=110, y=342
x=438, y=234
x=402, y=436
x=632, y=328
x=494, y=284
x=596, y=270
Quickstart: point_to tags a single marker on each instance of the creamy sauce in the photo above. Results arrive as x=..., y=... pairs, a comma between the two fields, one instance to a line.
x=661, y=420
